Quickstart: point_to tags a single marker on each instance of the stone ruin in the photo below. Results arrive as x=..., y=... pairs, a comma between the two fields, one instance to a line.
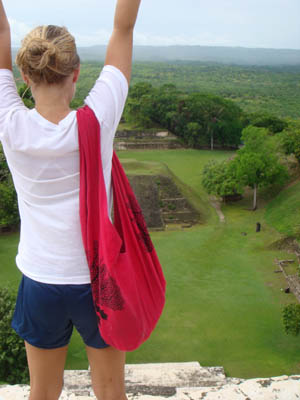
x=175, y=381
x=162, y=202
x=145, y=140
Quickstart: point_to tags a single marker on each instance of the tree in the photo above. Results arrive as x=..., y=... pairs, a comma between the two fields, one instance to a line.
x=25, y=94
x=291, y=319
x=219, y=178
x=13, y=363
x=200, y=119
x=213, y=119
x=192, y=132
x=264, y=120
x=140, y=89
x=290, y=139
x=9, y=214
x=257, y=164
x=148, y=106
x=76, y=103
x=164, y=103
x=219, y=120
x=137, y=106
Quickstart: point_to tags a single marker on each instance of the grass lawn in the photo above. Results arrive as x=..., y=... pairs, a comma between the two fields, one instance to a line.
x=283, y=211
x=224, y=301
x=9, y=274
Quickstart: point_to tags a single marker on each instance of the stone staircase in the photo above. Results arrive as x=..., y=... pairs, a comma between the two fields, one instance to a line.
x=175, y=209
x=176, y=381
x=146, y=140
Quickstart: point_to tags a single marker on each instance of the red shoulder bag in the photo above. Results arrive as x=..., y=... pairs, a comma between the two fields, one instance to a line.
x=127, y=281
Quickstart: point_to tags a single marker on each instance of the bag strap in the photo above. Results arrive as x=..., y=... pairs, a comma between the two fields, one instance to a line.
x=95, y=222
x=96, y=226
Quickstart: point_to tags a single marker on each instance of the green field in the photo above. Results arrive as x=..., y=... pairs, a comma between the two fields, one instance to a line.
x=224, y=301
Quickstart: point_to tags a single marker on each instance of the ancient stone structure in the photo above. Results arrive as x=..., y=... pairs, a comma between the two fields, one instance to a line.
x=175, y=208
x=147, y=193
x=176, y=381
x=145, y=140
x=162, y=202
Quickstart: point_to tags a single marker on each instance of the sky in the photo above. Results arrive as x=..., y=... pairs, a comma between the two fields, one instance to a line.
x=244, y=23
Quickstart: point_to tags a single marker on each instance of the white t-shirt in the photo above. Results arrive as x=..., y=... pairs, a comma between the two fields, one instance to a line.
x=43, y=158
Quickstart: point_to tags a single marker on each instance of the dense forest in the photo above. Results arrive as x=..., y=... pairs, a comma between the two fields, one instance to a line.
x=265, y=89
x=275, y=90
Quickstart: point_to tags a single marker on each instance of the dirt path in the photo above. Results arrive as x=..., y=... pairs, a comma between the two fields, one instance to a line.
x=217, y=206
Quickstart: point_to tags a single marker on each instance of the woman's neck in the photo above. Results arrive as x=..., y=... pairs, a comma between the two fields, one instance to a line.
x=53, y=112
x=53, y=101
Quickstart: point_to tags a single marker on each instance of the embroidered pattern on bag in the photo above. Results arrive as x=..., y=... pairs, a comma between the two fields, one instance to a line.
x=105, y=290
x=140, y=221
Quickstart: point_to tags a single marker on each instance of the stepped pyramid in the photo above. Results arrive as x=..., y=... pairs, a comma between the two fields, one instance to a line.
x=175, y=381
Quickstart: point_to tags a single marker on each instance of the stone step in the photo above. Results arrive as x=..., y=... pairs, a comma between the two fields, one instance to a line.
x=153, y=379
x=179, y=212
x=172, y=374
x=277, y=388
x=173, y=199
x=136, y=145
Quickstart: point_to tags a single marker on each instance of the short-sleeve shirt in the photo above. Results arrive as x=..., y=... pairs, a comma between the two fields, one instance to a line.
x=43, y=158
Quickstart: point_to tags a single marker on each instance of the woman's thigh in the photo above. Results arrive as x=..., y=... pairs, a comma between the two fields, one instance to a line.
x=41, y=317
x=46, y=369
x=107, y=372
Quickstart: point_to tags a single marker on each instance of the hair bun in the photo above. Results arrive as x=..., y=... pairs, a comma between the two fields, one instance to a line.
x=48, y=54
x=41, y=53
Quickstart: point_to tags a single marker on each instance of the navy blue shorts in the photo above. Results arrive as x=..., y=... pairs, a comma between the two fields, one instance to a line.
x=45, y=314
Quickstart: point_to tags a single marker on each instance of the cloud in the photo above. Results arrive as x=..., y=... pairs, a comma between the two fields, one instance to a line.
x=18, y=31
x=215, y=26
x=204, y=39
x=147, y=39
x=99, y=37
x=255, y=23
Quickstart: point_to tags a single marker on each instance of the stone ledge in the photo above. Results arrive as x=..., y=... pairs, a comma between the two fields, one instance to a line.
x=278, y=388
x=175, y=381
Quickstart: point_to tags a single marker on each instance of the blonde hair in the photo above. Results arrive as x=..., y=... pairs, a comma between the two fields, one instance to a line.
x=48, y=54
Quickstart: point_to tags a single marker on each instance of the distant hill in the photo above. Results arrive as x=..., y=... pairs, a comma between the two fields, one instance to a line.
x=222, y=55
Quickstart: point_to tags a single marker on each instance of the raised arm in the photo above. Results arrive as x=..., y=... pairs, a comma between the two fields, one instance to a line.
x=5, y=44
x=119, y=50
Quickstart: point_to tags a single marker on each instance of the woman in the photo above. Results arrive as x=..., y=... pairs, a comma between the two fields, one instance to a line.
x=41, y=147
